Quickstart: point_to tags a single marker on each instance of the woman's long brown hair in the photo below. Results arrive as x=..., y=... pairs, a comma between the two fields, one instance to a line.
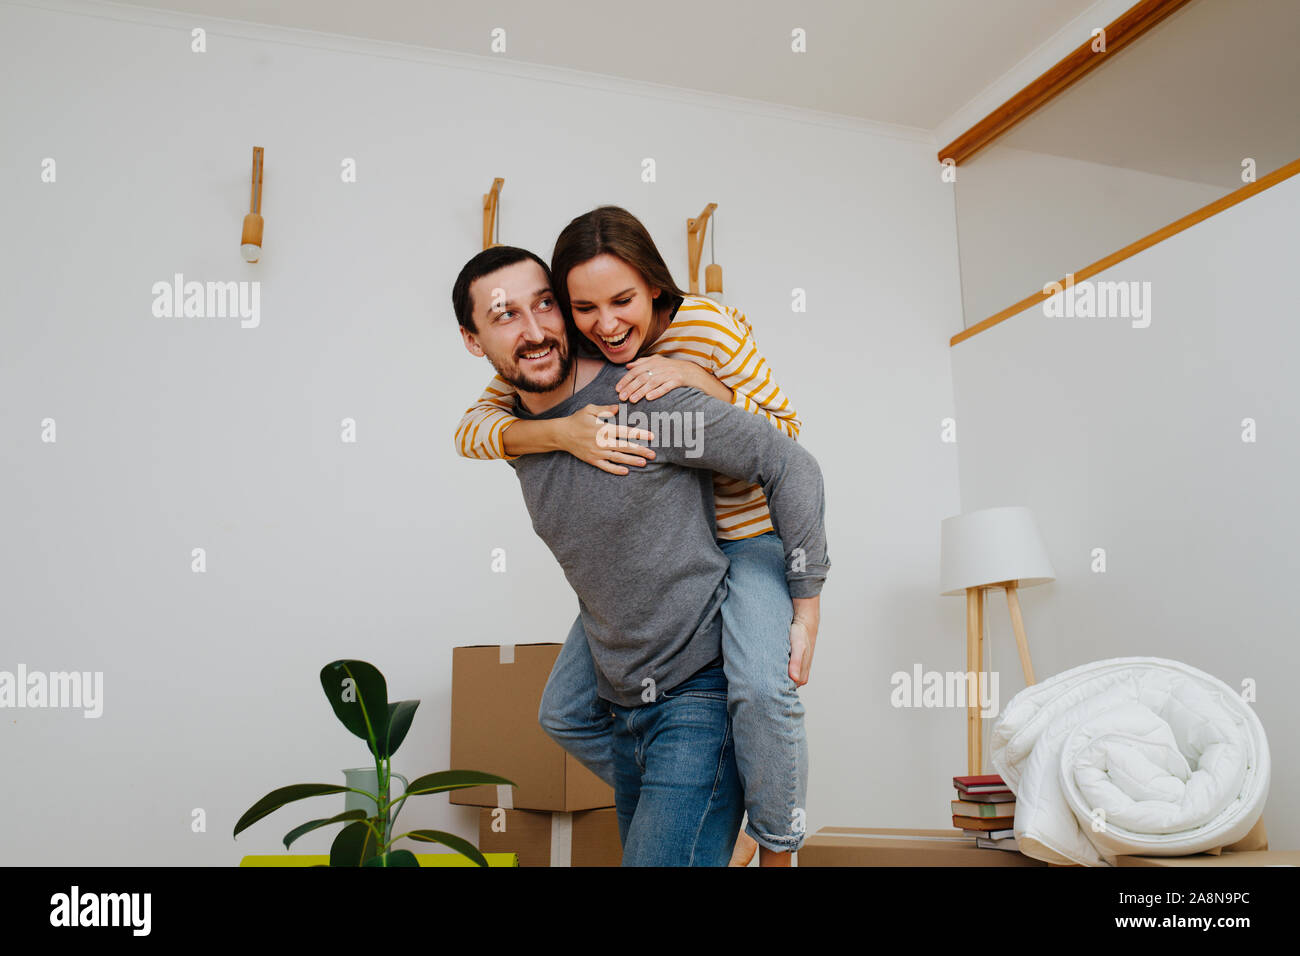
x=612, y=230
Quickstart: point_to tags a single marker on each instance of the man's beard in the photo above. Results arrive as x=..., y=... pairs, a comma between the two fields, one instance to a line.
x=516, y=377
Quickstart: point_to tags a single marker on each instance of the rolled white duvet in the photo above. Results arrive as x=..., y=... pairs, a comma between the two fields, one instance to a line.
x=1133, y=755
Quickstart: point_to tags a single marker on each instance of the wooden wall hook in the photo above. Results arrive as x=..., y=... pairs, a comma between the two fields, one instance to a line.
x=695, y=229
x=490, y=200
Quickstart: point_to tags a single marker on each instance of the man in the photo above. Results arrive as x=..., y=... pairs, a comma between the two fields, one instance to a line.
x=640, y=552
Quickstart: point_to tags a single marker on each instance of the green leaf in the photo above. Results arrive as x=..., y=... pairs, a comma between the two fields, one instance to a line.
x=277, y=798
x=395, y=858
x=317, y=824
x=400, y=714
x=459, y=844
x=359, y=695
x=453, y=780
x=355, y=844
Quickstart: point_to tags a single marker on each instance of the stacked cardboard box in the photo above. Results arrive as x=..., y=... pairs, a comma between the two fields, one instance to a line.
x=1249, y=858
x=585, y=838
x=559, y=813
x=855, y=846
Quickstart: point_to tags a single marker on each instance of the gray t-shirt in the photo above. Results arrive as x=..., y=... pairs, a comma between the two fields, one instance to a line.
x=639, y=549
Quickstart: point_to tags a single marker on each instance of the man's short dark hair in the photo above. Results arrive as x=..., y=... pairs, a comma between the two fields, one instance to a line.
x=485, y=263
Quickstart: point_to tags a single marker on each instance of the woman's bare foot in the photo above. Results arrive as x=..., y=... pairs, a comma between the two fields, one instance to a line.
x=746, y=846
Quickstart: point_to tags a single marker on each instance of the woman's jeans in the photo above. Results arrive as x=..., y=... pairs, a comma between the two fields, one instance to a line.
x=763, y=702
x=676, y=790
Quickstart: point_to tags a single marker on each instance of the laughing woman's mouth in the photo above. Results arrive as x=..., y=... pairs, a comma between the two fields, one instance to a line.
x=619, y=341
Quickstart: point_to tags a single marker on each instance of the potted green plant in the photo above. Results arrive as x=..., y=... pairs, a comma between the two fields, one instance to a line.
x=359, y=695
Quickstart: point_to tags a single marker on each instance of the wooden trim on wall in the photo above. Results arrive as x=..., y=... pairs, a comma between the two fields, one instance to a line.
x=1120, y=32
x=1146, y=242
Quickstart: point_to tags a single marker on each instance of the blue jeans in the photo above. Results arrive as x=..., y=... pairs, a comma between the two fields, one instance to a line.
x=763, y=702
x=677, y=792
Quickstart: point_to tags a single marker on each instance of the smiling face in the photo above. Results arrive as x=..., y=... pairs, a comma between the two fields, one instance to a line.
x=519, y=327
x=612, y=305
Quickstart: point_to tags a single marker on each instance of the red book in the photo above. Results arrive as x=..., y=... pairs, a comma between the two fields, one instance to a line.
x=981, y=780
x=982, y=783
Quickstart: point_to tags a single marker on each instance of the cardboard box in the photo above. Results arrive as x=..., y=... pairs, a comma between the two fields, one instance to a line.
x=855, y=846
x=1247, y=858
x=495, y=693
x=585, y=838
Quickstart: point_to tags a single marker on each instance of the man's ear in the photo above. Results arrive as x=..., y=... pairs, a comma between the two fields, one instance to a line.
x=471, y=342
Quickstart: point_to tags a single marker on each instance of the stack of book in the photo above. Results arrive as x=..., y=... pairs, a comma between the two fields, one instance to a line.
x=985, y=809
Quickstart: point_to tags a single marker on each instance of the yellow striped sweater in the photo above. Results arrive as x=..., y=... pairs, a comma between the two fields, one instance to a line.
x=717, y=337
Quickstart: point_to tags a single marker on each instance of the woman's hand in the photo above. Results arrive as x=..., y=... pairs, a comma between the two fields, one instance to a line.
x=585, y=434
x=803, y=637
x=654, y=375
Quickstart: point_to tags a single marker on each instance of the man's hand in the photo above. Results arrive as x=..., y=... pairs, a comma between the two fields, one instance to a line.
x=585, y=434
x=803, y=637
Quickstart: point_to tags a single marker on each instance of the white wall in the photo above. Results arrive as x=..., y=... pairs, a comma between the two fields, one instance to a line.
x=1026, y=218
x=179, y=433
x=1130, y=439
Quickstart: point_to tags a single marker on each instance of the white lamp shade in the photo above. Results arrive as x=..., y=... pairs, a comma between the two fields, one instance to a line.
x=992, y=545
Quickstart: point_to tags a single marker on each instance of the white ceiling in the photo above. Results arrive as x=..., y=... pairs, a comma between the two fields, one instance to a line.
x=905, y=62
x=1217, y=81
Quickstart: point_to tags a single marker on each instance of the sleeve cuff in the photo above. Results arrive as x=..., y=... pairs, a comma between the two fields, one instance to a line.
x=805, y=587
x=501, y=442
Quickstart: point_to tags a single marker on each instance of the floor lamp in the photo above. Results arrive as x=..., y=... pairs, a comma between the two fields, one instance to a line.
x=991, y=548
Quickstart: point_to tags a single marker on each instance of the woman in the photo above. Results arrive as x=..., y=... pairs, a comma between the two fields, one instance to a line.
x=615, y=290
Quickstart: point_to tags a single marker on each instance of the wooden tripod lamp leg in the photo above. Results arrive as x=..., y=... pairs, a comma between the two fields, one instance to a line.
x=974, y=633
x=1018, y=623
